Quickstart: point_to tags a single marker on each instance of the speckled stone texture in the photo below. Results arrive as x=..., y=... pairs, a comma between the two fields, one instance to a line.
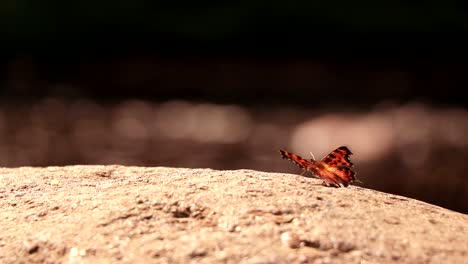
x=118, y=214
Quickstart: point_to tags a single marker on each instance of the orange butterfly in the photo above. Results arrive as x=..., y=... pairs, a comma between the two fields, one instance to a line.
x=335, y=169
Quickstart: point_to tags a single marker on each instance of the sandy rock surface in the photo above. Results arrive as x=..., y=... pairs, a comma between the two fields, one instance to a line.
x=118, y=214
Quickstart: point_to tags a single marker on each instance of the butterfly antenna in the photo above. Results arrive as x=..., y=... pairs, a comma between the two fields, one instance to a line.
x=312, y=154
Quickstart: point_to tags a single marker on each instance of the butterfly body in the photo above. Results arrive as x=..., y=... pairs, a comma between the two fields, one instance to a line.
x=335, y=169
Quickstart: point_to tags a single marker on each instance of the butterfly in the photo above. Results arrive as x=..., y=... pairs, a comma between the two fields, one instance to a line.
x=335, y=169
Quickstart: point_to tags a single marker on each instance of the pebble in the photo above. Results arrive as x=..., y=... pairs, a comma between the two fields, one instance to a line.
x=291, y=240
x=32, y=248
x=75, y=252
x=345, y=246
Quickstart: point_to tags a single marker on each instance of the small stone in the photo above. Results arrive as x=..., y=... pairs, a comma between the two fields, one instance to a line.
x=75, y=252
x=392, y=220
x=291, y=240
x=325, y=245
x=345, y=246
x=146, y=216
x=55, y=182
x=230, y=227
x=198, y=252
x=32, y=248
x=312, y=243
x=181, y=211
x=283, y=219
x=42, y=213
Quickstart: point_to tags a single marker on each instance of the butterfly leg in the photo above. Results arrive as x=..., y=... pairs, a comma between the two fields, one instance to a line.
x=303, y=172
x=331, y=184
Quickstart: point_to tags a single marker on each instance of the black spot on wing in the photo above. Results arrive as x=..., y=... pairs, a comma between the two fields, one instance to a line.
x=345, y=149
x=349, y=172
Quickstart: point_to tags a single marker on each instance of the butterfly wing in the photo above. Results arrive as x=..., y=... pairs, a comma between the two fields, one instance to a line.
x=300, y=161
x=334, y=169
x=338, y=157
x=336, y=176
x=337, y=167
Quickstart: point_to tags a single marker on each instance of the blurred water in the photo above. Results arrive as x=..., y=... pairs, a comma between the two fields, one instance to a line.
x=413, y=149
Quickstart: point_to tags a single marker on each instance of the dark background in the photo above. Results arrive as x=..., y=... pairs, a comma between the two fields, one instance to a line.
x=225, y=84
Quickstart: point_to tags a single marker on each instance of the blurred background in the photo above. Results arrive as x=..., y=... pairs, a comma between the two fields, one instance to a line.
x=225, y=84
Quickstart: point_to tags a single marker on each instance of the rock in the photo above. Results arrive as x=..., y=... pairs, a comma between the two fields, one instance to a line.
x=175, y=215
